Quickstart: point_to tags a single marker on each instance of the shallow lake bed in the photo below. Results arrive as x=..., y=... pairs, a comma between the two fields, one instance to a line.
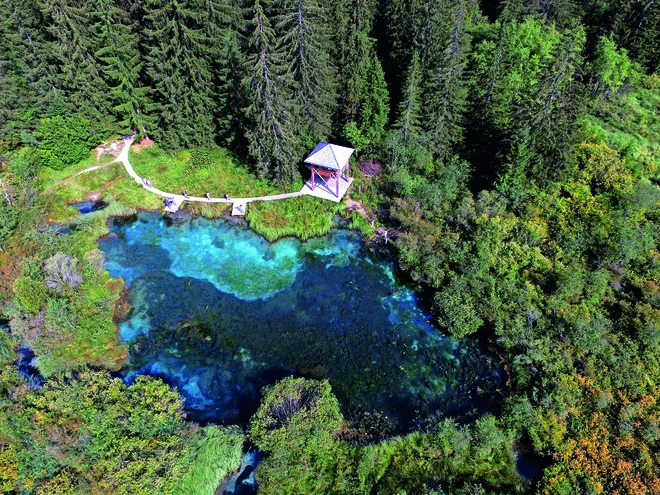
x=219, y=313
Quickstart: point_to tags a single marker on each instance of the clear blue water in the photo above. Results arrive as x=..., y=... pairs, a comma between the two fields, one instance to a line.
x=243, y=481
x=85, y=207
x=25, y=363
x=219, y=312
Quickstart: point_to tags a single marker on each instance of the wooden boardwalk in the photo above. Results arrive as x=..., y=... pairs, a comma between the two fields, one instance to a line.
x=239, y=205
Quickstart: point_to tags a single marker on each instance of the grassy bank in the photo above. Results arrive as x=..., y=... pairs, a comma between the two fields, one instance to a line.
x=197, y=171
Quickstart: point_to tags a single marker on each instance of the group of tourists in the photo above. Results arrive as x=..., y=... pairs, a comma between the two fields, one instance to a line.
x=170, y=201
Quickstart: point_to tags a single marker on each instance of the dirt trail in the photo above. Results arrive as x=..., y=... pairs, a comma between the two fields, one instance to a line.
x=70, y=178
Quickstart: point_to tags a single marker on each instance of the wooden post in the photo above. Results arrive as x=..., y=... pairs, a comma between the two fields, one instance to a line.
x=337, y=176
x=347, y=172
x=313, y=172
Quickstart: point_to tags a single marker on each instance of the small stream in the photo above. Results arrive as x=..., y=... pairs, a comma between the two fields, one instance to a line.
x=218, y=312
x=243, y=482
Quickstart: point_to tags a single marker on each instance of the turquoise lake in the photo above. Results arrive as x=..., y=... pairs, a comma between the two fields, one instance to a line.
x=218, y=312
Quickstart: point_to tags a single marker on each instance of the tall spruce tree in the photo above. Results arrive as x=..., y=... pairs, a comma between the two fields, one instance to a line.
x=29, y=64
x=14, y=98
x=410, y=111
x=408, y=156
x=638, y=26
x=374, y=107
x=224, y=23
x=563, y=13
x=533, y=90
x=79, y=76
x=271, y=126
x=122, y=66
x=355, y=52
x=230, y=92
x=176, y=48
x=416, y=26
x=446, y=91
x=305, y=46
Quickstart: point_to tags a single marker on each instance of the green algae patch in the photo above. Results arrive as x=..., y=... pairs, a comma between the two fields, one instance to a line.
x=235, y=261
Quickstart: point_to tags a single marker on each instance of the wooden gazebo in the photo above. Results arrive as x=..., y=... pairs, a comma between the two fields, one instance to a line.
x=329, y=161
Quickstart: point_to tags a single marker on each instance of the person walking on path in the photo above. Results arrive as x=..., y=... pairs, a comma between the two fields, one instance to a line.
x=227, y=196
x=185, y=194
x=208, y=196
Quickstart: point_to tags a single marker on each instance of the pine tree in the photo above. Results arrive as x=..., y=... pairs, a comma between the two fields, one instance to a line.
x=225, y=21
x=178, y=69
x=122, y=66
x=563, y=13
x=533, y=90
x=374, y=110
x=13, y=90
x=409, y=115
x=418, y=26
x=407, y=149
x=28, y=63
x=304, y=45
x=446, y=93
x=229, y=70
x=355, y=52
x=270, y=138
x=639, y=26
x=79, y=75
x=560, y=82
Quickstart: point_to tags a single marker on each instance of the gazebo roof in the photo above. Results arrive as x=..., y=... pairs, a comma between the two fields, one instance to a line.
x=329, y=156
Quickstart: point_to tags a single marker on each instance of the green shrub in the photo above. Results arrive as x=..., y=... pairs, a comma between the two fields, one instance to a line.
x=7, y=349
x=31, y=294
x=216, y=455
x=62, y=271
x=297, y=424
x=295, y=409
x=63, y=141
x=24, y=163
x=8, y=220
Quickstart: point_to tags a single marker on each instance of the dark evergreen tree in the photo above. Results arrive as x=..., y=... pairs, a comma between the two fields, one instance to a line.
x=223, y=27
x=79, y=77
x=407, y=149
x=229, y=71
x=354, y=52
x=176, y=48
x=28, y=64
x=637, y=24
x=633, y=25
x=14, y=99
x=122, y=67
x=271, y=132
x=563, y=13
x=304, y=43
x=532, y=90
x=410, y=110
x=374, y=108
x=446, y=92
x=561, y=80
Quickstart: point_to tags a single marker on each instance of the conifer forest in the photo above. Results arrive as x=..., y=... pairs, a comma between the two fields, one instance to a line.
x=506, y=165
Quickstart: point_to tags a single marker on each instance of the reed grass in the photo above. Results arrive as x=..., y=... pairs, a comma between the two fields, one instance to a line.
x=218, y=454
